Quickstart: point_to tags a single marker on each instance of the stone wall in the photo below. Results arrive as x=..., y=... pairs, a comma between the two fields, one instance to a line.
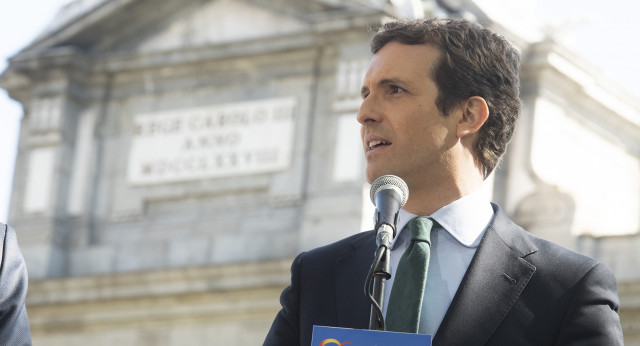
x=78, y=207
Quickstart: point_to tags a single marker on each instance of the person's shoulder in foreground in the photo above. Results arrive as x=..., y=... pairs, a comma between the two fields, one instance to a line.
x=14, y=323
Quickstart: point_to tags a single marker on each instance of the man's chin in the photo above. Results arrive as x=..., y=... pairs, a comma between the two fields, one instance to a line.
x=372, y=175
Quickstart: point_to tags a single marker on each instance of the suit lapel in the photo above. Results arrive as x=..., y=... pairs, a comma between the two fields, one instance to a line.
x=494, y=280
x=351, y=270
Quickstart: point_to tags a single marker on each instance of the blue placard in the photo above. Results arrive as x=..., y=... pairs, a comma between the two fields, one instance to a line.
x=332, y=336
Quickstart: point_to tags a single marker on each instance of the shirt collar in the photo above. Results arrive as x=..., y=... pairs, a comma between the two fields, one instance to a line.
x=465, y=219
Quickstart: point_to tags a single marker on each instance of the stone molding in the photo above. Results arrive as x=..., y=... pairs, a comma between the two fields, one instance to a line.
x=103, y=304
x=133, y=285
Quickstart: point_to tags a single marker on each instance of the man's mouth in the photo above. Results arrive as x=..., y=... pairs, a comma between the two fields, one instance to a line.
x=376, y=143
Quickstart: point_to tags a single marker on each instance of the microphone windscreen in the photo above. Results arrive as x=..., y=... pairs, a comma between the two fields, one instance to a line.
x=389, y=181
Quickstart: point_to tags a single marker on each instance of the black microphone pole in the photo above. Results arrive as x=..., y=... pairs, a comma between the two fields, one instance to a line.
x=381, y=273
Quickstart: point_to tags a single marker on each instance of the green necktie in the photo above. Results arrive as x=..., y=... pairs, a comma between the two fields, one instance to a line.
x=405, y=300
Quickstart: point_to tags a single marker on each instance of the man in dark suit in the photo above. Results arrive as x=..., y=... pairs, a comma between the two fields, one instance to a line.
x=440, y=101
x=14, y=324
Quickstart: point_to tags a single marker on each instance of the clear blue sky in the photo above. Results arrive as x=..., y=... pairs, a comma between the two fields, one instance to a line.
x=603, y=32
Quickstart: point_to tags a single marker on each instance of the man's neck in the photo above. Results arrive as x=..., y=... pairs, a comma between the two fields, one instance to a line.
x=425, y=199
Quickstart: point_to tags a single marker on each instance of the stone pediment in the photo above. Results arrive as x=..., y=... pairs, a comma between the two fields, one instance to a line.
x=160, y=25
x=216, y=22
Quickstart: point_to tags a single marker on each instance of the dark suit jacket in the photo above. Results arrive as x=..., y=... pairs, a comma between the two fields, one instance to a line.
x=518, y=290
x=14, y=324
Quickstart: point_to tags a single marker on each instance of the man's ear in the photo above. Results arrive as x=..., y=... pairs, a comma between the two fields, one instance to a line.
x=474, y=113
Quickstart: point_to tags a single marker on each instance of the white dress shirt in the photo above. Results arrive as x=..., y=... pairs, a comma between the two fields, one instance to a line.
x=452, y=247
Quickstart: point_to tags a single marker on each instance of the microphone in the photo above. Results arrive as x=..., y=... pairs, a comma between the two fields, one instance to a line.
x=388, y=193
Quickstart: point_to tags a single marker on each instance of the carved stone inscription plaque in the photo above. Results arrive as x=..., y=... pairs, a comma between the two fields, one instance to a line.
x=212, y=142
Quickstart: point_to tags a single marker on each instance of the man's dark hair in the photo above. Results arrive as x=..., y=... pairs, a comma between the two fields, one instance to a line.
x=474, y=61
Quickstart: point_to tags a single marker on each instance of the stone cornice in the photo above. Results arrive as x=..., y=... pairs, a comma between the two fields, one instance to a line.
x=106, y=17
x=550, y=68
x=165, y=300
x=547, y=54
x=131, y=61
x=55, y=57
x=133, y=285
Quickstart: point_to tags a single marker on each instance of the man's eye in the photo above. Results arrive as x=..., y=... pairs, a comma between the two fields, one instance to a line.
x=396, y=89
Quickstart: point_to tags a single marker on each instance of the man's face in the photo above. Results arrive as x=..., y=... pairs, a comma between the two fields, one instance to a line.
x=403, y=132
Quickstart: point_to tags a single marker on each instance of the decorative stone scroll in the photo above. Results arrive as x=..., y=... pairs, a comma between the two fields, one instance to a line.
x=212, y=142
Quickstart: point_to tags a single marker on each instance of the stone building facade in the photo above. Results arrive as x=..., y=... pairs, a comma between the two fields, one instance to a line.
x=174, y=157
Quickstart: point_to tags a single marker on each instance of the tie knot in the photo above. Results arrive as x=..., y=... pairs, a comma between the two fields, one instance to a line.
x=420, y=228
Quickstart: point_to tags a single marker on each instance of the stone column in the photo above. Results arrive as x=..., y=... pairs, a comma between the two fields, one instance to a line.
x=49, y=86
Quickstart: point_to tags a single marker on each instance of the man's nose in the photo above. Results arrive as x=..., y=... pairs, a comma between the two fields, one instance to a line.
x=369, y=111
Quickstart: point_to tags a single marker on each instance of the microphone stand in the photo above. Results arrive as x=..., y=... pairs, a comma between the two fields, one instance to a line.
x=388, y=193
x=380, y=272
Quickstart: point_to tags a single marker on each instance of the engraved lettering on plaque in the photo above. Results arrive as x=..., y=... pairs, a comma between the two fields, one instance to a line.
x=228, y=140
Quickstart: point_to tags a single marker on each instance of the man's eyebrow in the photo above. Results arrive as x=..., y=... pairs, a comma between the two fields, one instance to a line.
x=394, y=81
x=386, y=81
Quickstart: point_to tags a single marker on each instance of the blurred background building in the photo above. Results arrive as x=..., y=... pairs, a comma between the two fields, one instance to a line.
x=174, y=156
